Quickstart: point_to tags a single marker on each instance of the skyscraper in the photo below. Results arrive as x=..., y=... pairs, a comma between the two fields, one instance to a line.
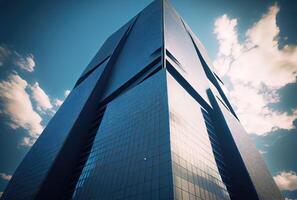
x=147, y=119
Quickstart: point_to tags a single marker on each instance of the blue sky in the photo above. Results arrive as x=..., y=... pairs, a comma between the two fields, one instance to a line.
x=45, y=45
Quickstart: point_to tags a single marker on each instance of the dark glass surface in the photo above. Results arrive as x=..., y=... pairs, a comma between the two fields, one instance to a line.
x=34, y=168
x=164, y=129
x=179, y=44
x=130, y=157
x=255, y=165
x=108, y=47
x=138, y=51
x=195, y=171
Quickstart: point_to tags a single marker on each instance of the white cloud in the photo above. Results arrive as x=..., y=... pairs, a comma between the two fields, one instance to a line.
x=1, y=193
x=4, y=52
x=262, y=152
x=28, y=141
x=256, y=68
x=18, y=107
x=251, y=106
x=286, y=181
x=229, y=47
x=4, y=55
x=16, y=95
x=26, y=63
x=5, y=177
x=40, y=97
x=66, y=93
x=58, y=102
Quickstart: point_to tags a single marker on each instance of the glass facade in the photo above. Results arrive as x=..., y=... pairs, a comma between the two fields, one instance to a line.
x=130, y=157
x=147, y=119
x=36, y=165
x=195, y=171
x=179, y=44
x=137, y=51
x=260, y=176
